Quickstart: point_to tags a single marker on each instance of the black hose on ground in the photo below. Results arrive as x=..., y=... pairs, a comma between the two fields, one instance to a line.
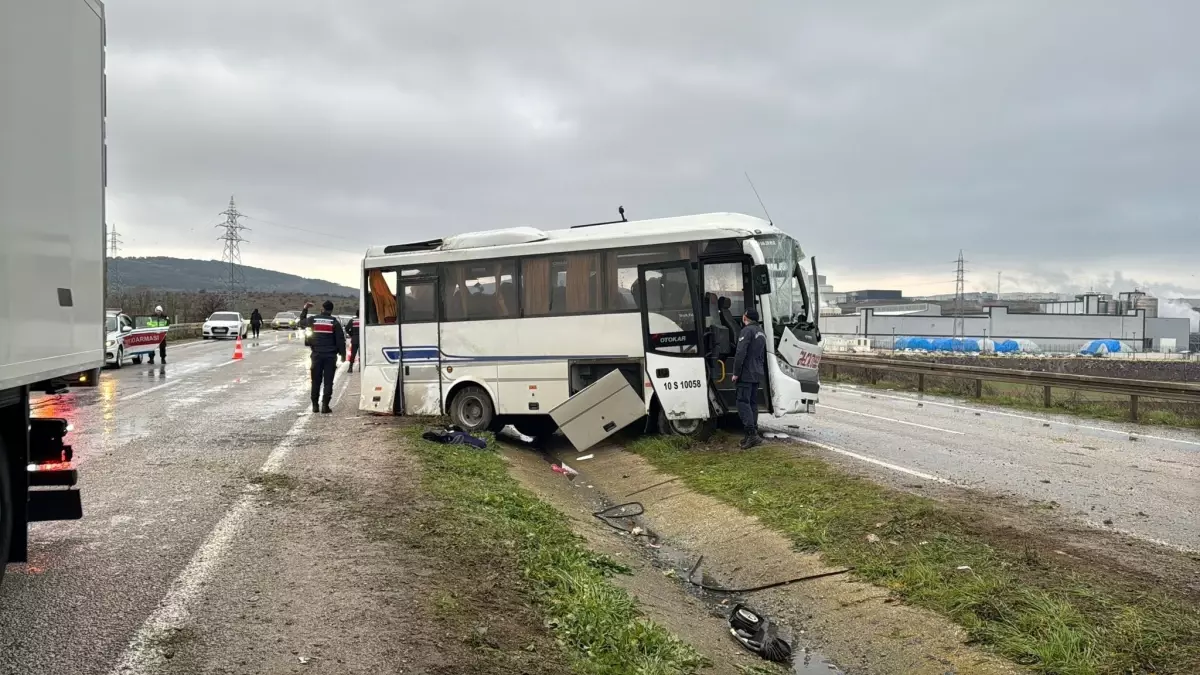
x=754, y=589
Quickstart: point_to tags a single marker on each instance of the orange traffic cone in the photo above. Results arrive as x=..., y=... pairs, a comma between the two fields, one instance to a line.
x=237, y=349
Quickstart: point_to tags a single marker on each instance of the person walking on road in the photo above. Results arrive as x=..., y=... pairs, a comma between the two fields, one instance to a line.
x=324, y=336
x=255, y=323
x=749, y=370
x=352, y=331
x=159, y=320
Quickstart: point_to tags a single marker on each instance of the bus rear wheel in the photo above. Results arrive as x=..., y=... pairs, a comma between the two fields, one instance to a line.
x=472, y=409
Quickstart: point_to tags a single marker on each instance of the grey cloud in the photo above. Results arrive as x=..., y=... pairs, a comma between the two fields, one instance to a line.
x=887, y=135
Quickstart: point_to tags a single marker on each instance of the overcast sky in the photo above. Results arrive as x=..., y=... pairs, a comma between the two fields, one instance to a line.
x=1056, y=141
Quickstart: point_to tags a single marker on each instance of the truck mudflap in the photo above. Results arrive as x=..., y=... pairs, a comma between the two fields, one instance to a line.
x=51, y=472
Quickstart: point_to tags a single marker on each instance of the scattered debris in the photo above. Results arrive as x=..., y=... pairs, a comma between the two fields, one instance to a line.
x=651, y=487
x=1045, y=480
x=564, y=470
x=963, y=568
x=303, y=659
x=873, y=538
x=1046, y=424
x=754, y=589
x=1108, y=521
x=757, y=634
x=580, y=459
x=1132, y=437
x=453, y=436
x=1143, y=514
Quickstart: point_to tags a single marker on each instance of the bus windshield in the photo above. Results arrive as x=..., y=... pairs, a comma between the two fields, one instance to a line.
x=789, y=296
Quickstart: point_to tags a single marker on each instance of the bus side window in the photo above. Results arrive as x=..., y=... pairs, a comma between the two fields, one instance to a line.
x=381, y=297
x=621, y=266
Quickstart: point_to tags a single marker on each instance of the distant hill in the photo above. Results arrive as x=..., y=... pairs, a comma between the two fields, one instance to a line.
x=185, y=275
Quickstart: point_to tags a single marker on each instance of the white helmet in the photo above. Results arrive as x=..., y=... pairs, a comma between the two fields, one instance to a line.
x=158, y=308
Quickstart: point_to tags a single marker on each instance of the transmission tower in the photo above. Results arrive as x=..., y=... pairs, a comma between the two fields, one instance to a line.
x=960, y=280
x=232, y=253
x=114, y=272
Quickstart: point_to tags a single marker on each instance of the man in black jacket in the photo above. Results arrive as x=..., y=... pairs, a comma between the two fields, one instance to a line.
x=353, y=331
x=749, y=370
x=325, y=337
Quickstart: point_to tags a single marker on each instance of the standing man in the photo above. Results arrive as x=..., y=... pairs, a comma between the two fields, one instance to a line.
x=255, y=322
x=324, y=335
x=749, y=369
x=159, y=320
x=352, y=330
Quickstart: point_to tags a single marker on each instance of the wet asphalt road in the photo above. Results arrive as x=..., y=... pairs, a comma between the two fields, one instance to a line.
x=163, y=452
x=1148, y=487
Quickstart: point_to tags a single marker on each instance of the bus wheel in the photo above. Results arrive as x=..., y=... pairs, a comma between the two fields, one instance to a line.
x=700, y=430
x=472, y=409
x=6, y=524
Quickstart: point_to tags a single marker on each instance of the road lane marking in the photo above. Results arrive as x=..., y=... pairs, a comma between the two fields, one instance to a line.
x=144, y=654
x=892, y=419
x=181, y=378
x=877, y=462
x=1123, y=432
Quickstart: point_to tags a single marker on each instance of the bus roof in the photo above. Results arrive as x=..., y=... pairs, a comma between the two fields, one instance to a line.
x=517, y=241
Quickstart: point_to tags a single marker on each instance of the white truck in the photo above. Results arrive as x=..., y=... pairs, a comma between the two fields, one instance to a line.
x=52, y=266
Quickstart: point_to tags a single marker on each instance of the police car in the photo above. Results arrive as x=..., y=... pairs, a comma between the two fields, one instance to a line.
x=125, y=341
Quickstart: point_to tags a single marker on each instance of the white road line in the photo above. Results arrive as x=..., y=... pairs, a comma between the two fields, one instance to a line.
x=151, y=390
x=268, y=349
x=144, y=653
x=892, y=419
x=1123, y=432
x=877, y=462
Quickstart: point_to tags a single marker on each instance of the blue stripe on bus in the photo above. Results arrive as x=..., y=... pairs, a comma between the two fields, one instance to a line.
x=431, y=354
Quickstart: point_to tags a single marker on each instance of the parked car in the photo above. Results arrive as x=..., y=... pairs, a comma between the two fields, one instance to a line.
x=224, y=325
x=285, y=320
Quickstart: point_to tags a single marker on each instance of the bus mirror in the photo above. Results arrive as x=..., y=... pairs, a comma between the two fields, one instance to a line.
x=760, y=276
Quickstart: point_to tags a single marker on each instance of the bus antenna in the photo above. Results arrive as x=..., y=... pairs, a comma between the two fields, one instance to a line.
x=621, y=210
x=760, y=201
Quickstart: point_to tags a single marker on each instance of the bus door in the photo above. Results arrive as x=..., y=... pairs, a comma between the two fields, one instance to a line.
x=419, y=384
x=725, y=286
x=672, y=335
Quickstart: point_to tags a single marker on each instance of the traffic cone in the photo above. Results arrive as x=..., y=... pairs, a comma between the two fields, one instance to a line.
x=237, y=349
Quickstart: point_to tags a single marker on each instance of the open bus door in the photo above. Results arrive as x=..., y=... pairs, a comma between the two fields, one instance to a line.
x=673, y=337
x=400, y=354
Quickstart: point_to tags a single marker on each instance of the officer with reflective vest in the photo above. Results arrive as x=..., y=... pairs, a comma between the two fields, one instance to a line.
x=159, y=320
x=324, y=336
x=352, y=331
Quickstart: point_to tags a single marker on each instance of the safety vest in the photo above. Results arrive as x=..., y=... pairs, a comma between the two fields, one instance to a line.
x=158, y=322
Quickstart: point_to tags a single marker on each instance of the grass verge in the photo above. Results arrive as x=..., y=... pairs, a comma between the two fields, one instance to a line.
x=1023, y=607
x=598, y=623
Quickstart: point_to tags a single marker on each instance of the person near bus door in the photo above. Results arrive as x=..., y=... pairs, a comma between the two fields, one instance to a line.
x=324, y=336
x=255, y=323
x=352, y=332
x=749, y=370
x=159, y=320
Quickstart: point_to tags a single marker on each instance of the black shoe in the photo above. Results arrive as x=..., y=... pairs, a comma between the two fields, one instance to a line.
x=753, y=442
x=350, y=369
x=326, y=409
x=316, y=408
x=164, y=360
x=745, y=442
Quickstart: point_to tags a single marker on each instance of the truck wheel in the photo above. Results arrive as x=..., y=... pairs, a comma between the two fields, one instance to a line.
x=472, y=409
x=5, y=510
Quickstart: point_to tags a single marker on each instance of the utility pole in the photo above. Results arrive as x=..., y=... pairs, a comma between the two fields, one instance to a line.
x=960, y=278
x=113, y=273
x=998, y=286
x=232, y=252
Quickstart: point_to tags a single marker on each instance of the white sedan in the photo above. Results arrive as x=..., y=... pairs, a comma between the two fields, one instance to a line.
x=224, y=325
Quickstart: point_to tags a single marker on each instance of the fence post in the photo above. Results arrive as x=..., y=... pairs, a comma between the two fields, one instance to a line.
x=1046, y=400
x=833, y=371
x=920, y=381
x=1133, y=408
x=978, y=388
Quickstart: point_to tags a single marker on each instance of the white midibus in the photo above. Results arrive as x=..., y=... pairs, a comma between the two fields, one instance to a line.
x=500, y=327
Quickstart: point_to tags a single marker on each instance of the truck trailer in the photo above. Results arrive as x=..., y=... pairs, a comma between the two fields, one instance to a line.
x=52, y=263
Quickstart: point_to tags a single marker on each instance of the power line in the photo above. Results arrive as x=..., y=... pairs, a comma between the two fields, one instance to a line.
x=114, y=272
x=301, y=229
x=232, y=252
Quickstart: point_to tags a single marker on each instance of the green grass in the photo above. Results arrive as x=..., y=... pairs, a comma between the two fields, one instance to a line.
x=597, y=622
x=1021, y=606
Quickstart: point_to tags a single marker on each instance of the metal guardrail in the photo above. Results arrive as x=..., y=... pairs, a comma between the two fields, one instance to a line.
x=1174, y=391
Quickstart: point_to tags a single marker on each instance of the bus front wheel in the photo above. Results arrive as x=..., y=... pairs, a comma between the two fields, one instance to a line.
x=700, y=430
x=472, y=409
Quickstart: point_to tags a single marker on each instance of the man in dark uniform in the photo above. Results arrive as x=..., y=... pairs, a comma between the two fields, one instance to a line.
x=749, y=370
x=324, y=335
x=353, y=331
